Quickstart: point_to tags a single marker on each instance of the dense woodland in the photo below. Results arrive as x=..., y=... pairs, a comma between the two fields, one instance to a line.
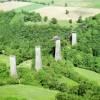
x=17, y=38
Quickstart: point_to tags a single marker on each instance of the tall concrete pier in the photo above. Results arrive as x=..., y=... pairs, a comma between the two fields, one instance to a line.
x=38, y=60
x=13, y=70
x=58, y=50
x=74, y=39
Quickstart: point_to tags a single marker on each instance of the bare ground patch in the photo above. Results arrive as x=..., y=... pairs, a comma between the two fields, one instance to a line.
x=60, y=12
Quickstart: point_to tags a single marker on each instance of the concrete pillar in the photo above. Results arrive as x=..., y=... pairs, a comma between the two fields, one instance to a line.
x=58, y=50
x=13, y=70
x=74, y=39
x=38, y=60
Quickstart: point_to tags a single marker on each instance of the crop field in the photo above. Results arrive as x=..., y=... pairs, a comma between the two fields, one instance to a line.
x=60, y=12
x=26, y=6
x=7, y=6
x=30, y=8
x=74, y=3
x=54, y=10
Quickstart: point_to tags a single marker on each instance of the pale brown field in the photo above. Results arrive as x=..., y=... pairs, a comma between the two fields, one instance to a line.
x=7, y=6
x=60, y=12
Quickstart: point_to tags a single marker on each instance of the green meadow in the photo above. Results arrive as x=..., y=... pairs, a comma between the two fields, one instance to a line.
x=25, y=92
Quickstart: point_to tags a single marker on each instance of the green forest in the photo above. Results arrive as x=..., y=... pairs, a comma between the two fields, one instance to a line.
x=75, y=77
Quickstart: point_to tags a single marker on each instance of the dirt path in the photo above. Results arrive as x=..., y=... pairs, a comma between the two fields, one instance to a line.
x=74, y=12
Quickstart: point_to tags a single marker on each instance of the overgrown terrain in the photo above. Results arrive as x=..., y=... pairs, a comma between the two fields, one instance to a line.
x=75, y=77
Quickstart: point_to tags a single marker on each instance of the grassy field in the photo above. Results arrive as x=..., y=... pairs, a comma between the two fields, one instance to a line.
x=90, y=75
x=82, y=3
x=19, y=6
x=4, y=60
x=74, y=3
x=26, y=64
x=30, y=8
x=62, y=23
x=26, y=92
x=69, y=82
x=60, y=12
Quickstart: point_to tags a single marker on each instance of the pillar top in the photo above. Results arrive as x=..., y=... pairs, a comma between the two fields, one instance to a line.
x=74, y=33
x=12, y=56
x=38, y=46
x=56, y=38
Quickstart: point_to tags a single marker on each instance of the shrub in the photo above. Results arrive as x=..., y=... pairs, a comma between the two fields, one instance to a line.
x=34, y=17
x=27, y=76
x=70, y=21
x=11, y=80
x=64, y=96
x=79, y=19
x=45, y=19
x=67, y=12
x=47, y=78
x=66, y=4
x=12, y=98
x=3, y=70
x=54, y=21
x=63, y=87
x=52, y=2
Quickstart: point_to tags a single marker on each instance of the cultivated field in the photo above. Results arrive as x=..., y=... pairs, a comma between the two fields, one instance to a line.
x=30, y=8
x=7, y=6
x=57, y=12
x=60, y=12
x=72, y=3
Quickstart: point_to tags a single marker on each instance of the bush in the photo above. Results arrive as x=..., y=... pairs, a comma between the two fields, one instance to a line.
x=61, y=96
x=64, y=96
x=45, y=19
x=67, y=12
x=2, y=82
x=54, y=21
x=52, y=2
x=34, y=17
x=70, y=21
x=47, y=78
x=12, y=81
x=27, y=76
x=4, y=75
x=12, y=98
x=4, y=71
x=63, y=87
x=66, y=4
x=79, y=19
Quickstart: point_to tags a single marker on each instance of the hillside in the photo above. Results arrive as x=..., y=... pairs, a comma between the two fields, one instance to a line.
x=90, y=75
x=25, y=92
x=73, y=73
x=52, y=9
